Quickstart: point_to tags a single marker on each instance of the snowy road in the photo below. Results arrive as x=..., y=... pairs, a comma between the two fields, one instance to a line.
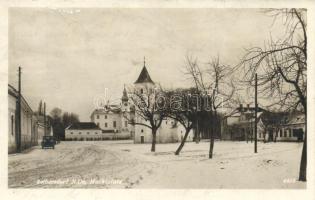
x=122, y=164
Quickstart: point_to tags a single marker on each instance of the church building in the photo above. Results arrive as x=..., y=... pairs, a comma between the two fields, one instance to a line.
x=170, y=131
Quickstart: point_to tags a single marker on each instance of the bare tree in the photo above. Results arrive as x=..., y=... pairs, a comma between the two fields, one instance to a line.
x=282, y=68
x=183, y=109
x=212, y=81
x=149, y=109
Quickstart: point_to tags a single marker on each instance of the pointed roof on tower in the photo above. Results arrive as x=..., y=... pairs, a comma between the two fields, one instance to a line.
x=125, y=96
x=144, y=76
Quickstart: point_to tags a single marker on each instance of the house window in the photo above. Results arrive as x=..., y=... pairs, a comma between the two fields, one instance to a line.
x=71, y=133
x=105, y=116
x=141, y=130
x=141, y=91
x=12, y=125
x=98, y=124
x=97, y=116
x=280, y=133
x=114, y=124
x=80, y=133
x=290, y=133
x=95, y=133
x=105, y=125
x=126, y=124
x=87, y=132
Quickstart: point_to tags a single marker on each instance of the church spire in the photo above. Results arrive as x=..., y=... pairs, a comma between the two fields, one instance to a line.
x=144, y=76
x=144, y=61
x=125, y=96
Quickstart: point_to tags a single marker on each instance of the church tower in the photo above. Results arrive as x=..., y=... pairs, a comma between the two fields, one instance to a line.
x=124, y=101
x=144, y=82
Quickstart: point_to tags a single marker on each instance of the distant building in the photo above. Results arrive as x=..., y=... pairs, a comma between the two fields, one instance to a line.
x=285, y=126
x=83, y=131
x=113, y=119
x=41, y=126
x=240, y=124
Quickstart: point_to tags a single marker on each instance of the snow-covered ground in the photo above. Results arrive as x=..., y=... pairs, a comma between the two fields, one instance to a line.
x=122, y=164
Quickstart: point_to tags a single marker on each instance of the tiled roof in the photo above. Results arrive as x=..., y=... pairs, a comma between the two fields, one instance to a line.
x=83, y=125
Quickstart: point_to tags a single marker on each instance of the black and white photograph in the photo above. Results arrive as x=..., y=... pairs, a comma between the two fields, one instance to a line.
x=158, y=98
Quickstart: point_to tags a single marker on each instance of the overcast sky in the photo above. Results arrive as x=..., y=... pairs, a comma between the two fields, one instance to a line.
x=69, y=56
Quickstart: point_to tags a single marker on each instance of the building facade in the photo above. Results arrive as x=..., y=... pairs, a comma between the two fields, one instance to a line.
x=83, y=131
x=113, y=119
x=29, y=123
x=240, y=124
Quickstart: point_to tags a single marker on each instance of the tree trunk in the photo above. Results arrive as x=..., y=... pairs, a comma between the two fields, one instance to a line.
x=197, y=136
x=303, y=164
x=211, y=145
x=214, y=129
x=153, y=140
x=182, y=142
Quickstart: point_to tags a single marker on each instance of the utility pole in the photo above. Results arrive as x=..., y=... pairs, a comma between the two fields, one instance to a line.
x=18, y=141
x=256, y=113
x=45, y=118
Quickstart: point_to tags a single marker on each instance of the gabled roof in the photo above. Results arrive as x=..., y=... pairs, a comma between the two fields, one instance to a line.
x=237, y=111
x=83, y=125
x=144, y=76
x=13, y=92
x=296, y=118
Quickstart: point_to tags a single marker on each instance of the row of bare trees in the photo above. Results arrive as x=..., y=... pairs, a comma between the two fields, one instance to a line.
x=195, y=108
x=281, y=66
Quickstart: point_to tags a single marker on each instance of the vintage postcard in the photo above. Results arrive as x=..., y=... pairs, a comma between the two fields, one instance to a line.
x=135, y=98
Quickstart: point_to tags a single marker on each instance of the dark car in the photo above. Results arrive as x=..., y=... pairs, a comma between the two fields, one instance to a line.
x=48, y=142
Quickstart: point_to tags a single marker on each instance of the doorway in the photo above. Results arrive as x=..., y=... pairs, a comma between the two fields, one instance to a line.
x=142, y=139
